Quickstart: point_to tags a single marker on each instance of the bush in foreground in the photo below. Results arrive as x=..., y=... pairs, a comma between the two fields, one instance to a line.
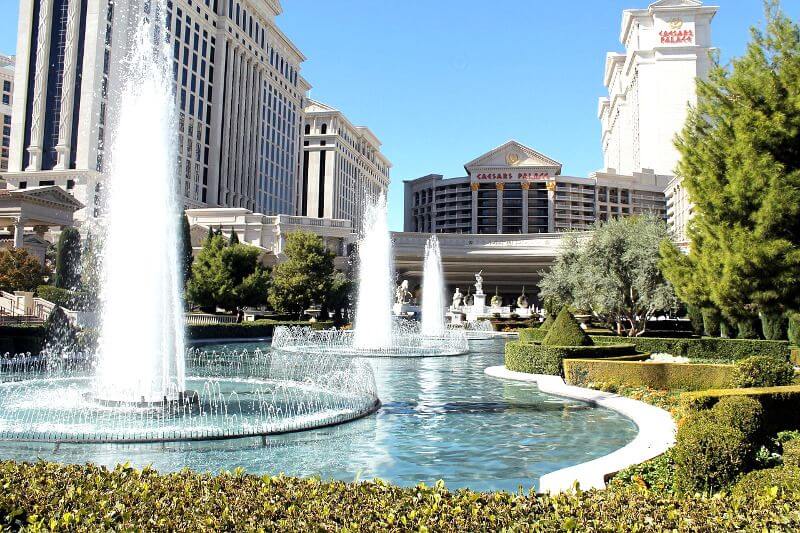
x=89, y=498
x=566, y=331
x=762, y=371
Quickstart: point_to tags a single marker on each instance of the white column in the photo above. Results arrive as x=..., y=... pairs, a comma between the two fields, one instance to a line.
x=19, y=232
x=500, y=186
x=474, y=187
x=40, y=85
x=525, y=186
x=68, y=86
x=551, y=206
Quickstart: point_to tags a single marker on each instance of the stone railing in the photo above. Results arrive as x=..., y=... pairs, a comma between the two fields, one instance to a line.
x=201, y=319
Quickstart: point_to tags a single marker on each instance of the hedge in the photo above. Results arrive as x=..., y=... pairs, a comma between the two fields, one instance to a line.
x=781, y=404
x=532, y=335
x=661, y=376
x=47, y=496
x=537, y=359
x=705, y=348
x=791, y=453
x=246, y=330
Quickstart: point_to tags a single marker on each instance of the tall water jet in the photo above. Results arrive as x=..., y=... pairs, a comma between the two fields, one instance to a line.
x=141, y=348
x=433, y=301
x=373, y=324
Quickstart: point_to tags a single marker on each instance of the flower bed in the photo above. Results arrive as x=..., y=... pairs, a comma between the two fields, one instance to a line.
x=90, y=498
x=664, y=376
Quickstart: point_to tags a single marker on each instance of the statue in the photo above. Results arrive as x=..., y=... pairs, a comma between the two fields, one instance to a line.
x=497, y=300
x=479, y=283
x=402, y=295
x=522, y=301
x=469, y=300
x=458, y=299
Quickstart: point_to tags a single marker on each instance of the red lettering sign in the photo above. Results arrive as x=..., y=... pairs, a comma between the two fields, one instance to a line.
x=676, y=36
x=509, y=176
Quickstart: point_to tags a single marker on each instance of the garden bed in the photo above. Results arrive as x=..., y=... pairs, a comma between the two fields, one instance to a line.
x=538, y=359
x=653, y=375
x=90, y=498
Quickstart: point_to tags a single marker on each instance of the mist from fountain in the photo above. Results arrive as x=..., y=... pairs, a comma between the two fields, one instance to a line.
x=433, y=299
x=373, y=318
x=141, y=291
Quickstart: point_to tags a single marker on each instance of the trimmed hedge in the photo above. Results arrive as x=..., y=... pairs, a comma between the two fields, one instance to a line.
x=660, y=376
x=566, y=331
x=760, y=485
x=762, y=371
x=791, y=453
x=245, y=330
x=705, y=348
x=538, y=359
x=781, y=404
x=532, y=335
x=47, y=496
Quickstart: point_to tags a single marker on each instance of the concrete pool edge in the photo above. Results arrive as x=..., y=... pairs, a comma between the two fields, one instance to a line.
x=656, y=432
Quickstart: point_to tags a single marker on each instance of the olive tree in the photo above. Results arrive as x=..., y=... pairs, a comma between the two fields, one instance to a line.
x=613, y=273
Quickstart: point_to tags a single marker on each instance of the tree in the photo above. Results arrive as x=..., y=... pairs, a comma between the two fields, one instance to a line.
x=185, y=254
x=230, y=277
x=68, y=259
x=613, y=273
x=740, y=164
x=305, y=278
x=20, y=271
x=234, y=238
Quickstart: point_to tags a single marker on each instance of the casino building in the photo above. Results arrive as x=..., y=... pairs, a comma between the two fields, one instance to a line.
x=238, y=90
x=514, y=189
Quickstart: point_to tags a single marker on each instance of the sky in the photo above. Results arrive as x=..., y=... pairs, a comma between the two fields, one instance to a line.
x=441, y=82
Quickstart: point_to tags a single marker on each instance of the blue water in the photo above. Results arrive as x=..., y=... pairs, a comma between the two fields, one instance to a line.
x=442, y=418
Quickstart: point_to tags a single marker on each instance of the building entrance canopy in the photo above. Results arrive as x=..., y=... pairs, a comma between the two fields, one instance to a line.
x=48, y=206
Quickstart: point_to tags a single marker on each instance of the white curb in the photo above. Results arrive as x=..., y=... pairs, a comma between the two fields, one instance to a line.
x=656, y=432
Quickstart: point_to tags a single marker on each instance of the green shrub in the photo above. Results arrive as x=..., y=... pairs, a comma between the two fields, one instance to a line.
x=695, y=316
x=657, y=474
x=660, y=376
x=773, y=325
x=245, y=330
x=727, y=350
x=767, y=485
x=748, y=328
x=532, y=335
x=727, y=329
x=548, y=321
x=742, y=413
x=566, y=331
x=781, y=405
x=538, y=359
x=48, y=496
x=709, y=455
x=791, y=453
x=793, y=331
x=762, y=371
x=711, y=318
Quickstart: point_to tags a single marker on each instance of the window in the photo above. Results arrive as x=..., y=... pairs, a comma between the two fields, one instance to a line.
x=6, y=86
x=308, y=129
x=324, y=129
x=23, y=184
x=70, y=184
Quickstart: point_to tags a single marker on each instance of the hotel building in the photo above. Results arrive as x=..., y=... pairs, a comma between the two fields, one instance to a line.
x=342, y=165
x=6, y=96
x=514, y=189
x=238, y=90
x=650, y=88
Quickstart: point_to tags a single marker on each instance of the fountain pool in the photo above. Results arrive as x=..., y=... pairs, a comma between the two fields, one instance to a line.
x=441, y=418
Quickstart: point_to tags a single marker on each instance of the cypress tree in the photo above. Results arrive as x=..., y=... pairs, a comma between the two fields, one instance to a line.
x=740, y=163
x=68, y=259
x=234, y=238
x=186, y=249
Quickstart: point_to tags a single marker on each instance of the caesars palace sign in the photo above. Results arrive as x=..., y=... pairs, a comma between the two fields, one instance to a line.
x=524, y=176
x=676, y=34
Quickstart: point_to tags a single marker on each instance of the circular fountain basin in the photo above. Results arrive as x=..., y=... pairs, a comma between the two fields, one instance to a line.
x=407, y=342
x=440, y=418
x=232, y=394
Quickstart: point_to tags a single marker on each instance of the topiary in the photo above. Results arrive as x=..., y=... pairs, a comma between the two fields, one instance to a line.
x=748, y=328
x=791, y=453
x=741, y=412
x=769, y=483
x=793, y=331
x=773, y=326
x=566, y=331
x=709, y=455
x=727, y=328
x=711, y=318
x=695, y=315
x=548, y=321
x=762, y=371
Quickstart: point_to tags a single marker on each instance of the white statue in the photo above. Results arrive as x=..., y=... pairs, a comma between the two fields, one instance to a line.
x=479, y=283
x=402, y=295
x=458, y=299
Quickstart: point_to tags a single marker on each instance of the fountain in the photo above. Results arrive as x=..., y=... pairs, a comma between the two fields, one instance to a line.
x=376, y=332
x=142, y=385
x=432, y=290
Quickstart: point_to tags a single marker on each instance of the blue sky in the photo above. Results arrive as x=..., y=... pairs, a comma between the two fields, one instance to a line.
x=442, y=81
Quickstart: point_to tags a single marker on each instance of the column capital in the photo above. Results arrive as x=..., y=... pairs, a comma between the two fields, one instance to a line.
x=525, y=185
x=551, y=186
x=500, y=186
x=474, y=186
